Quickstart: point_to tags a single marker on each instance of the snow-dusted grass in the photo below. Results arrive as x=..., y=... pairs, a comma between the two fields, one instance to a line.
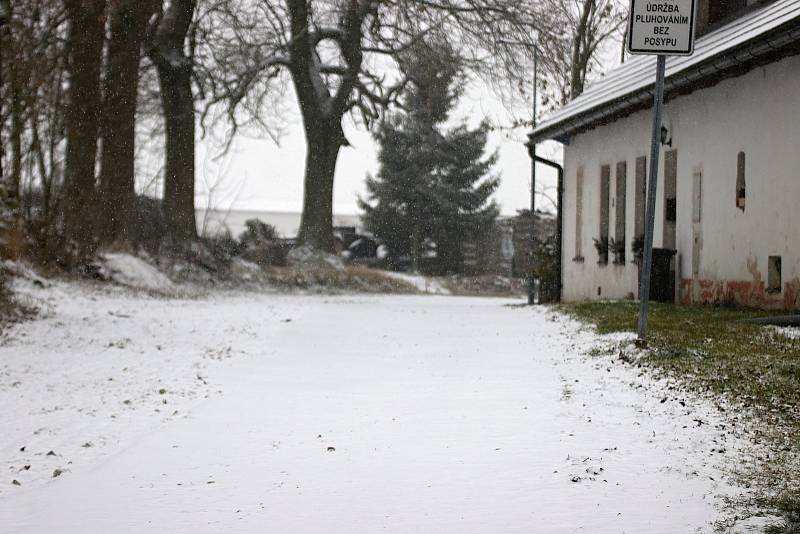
x=752, y=371
x=264, y=413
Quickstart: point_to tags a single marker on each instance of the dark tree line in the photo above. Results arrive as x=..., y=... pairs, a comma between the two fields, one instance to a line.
x=70, y=95
x=77, y=77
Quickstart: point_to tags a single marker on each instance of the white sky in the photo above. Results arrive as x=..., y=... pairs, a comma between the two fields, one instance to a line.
x=258, y=174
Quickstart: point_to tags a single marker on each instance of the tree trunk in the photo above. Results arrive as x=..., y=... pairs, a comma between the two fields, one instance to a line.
x=7, y=210
x=316, y=226
x=5, y=15
x=175, y=79
x=38, y=153
x=5, y=40
x=9, y=77
x=17, y=125
x=322, y=112
x=128, y=21
x=178, y=103
x=85, y=44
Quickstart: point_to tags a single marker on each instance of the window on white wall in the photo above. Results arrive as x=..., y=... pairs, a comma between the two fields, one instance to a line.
x=619, y=224
x=741, y=185
x=579, y=215
x=601, y=242
x=670, y=199
x=774, y=275
x=697, y=197
x=640, y=195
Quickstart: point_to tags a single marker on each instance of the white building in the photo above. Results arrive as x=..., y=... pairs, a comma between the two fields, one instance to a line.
x=729, y=178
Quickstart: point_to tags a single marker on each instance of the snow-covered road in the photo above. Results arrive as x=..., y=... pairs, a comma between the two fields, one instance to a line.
x=300, y=414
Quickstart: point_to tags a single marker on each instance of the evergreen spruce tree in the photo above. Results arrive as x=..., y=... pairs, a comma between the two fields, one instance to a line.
x=433, y=184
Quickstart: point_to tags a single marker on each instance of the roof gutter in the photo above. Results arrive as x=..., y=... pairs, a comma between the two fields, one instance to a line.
x=783, y=42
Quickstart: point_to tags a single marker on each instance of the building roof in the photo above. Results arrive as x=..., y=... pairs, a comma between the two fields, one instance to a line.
x=761, y=36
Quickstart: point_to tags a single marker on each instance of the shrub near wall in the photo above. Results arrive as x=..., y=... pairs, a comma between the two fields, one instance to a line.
x=7, y=305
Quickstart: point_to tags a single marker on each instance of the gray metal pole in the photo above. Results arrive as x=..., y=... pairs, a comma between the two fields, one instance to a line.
x=652, y=188
x=532, y=252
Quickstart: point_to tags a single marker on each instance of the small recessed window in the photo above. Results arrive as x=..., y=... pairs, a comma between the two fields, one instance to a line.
x=602, y=243
x=672, y=210
x=774, y=281
x=741, y=189
x=579, y=215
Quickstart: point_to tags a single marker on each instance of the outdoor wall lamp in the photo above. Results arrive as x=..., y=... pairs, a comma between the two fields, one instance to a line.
x=666, y=136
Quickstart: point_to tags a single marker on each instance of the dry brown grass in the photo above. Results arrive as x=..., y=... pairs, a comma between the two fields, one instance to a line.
x=484, y=286
x=356, y=278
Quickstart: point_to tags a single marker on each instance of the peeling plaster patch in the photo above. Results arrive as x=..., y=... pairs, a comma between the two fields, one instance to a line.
x=741, y=292
x=791, y=294
x=752, y=267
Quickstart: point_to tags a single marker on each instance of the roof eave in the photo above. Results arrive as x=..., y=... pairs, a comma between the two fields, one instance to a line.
x=773, y=46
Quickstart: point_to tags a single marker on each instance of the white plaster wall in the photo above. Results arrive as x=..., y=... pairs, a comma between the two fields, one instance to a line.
x=758, y=113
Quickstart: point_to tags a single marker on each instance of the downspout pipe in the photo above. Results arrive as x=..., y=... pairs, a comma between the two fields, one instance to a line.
x=559, y=212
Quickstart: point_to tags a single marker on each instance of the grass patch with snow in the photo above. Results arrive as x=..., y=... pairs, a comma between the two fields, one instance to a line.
x=12, y=308
x=8, y=307
x=717, y=351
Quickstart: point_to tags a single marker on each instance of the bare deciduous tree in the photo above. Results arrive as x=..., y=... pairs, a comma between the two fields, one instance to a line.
x=168, y=51
x=13, y=80
x=85, y=41
x=572, y=34
x=341, y=58
x=338, y=58
x=5, y=44
x=128, y=20
x=32, y=117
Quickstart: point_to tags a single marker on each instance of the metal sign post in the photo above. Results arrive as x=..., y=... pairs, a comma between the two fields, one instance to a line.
x=660, y=27
x=652, y=188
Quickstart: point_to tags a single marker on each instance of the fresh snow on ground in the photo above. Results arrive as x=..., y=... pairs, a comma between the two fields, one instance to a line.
x=310, y=414
x=425, y=284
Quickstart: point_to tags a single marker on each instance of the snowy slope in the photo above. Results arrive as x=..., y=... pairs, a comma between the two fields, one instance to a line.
x=136, y=273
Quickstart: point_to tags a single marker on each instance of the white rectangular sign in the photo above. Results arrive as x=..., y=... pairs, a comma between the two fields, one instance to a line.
x=661, y=27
